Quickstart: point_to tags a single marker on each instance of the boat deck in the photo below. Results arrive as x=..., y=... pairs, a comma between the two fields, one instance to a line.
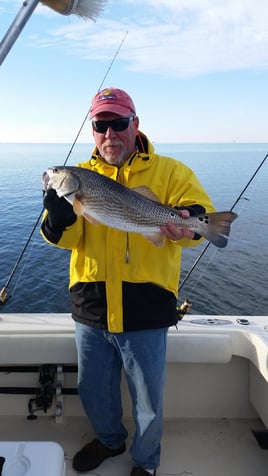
x=216, y=395
x=198, y=447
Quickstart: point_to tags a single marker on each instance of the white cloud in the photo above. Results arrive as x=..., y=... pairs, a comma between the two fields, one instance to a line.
x=180, y=38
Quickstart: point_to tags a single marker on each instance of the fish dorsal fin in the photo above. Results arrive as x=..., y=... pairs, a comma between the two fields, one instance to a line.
x=147, y=192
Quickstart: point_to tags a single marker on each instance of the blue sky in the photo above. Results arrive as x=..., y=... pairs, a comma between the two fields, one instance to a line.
x=197, y=70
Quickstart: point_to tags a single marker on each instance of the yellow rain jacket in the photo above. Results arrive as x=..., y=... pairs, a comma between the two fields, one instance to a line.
x=121, y=281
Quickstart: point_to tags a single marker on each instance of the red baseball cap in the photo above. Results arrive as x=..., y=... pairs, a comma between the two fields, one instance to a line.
x=112, y=100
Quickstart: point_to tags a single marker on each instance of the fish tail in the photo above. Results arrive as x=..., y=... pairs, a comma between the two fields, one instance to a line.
x=215, y=227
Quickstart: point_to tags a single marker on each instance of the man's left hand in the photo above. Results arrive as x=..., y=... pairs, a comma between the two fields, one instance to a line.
x=175, y=233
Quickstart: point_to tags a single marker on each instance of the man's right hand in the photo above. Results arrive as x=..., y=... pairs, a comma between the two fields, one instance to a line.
x=60, y=212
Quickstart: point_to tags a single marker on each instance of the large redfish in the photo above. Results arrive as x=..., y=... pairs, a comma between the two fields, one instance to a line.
x=102, y=200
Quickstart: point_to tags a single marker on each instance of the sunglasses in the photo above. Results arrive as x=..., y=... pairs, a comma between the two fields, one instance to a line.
x=118, y=125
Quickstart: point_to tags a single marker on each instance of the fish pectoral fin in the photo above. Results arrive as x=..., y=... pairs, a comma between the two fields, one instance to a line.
x=78, y=207
x=147, y=192
x=79, y=210
x=89, y=218
x=158, y=239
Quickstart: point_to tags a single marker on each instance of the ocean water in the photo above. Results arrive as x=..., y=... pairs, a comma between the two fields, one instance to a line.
x=230, y=281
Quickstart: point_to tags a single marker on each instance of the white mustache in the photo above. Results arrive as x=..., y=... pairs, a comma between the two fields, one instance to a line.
x=109, y=143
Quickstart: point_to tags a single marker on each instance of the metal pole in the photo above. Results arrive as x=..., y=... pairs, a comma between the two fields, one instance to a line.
x=16, y=27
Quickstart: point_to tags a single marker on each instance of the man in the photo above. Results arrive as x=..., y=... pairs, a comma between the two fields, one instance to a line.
x=123, y=287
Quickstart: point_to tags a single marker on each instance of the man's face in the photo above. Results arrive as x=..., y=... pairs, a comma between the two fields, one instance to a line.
x=115, y=146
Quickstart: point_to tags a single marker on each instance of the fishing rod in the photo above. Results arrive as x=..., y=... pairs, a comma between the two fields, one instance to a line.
x=82, y=8
x=4, y=296
x=100, y=86
x=186, y=305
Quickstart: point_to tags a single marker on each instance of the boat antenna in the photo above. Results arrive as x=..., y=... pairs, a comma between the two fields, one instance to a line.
x=82, y=8
x=4, y=296
x=185, y=306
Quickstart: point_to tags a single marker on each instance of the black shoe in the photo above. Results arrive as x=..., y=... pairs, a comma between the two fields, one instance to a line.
x=93, y=454
x=140, y=472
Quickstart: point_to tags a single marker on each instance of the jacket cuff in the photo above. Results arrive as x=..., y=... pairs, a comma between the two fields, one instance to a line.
x=52, y=234
x=194, y=210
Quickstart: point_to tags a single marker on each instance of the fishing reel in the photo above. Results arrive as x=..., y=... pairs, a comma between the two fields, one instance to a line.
x=4, y=296
x=183, y=309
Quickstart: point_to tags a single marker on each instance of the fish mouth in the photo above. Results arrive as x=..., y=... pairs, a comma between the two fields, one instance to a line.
x=45, y=181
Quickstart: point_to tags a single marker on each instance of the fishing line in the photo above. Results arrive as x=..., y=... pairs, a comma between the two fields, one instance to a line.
x=202, y=272
x=240, y=196
x=216, y=250
x=23, y=266
x=4, y=291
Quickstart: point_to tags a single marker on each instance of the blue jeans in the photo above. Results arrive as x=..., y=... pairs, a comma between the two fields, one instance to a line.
x=142, y=354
